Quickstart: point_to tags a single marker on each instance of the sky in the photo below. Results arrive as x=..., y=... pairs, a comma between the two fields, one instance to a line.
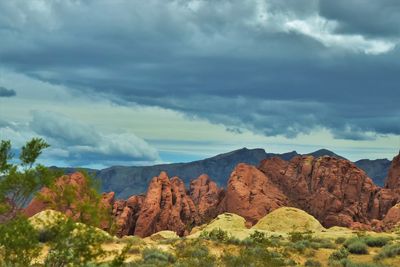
x=131, y=82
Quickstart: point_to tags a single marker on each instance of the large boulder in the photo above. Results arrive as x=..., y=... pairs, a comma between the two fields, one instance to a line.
x=288, y=220
x=251, y=194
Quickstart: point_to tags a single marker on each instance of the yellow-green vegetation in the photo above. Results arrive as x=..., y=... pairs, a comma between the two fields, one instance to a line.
x=287, y=219
x=226, y=221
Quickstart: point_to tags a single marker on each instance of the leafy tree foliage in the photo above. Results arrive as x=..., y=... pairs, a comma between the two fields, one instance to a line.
x=19, y=243
x=74, y=244
x=81, y=201
x=19, y=181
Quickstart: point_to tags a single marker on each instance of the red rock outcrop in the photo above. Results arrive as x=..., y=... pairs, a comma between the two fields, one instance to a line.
x=392, y=218
x=125, y=214
x=251, y=194
x=393, y=179
x=333, y=190
x=206, y=196
x=166, y=207
x=75, y=181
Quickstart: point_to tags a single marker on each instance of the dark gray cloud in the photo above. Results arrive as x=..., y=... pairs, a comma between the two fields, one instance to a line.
x=4, y=92
x=273, y=67
x=373, y=18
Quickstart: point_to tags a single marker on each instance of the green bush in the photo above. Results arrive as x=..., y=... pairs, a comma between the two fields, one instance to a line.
x=75, y=244
x=312, y=263
x=318, y=243
x=298, y=236
x=376, y=241
x=216, y=234
x=258, y=237
x=256, y=256
x=357, y=247
x=388, y=251
x=339, y=255
x=194, y=253
x=349, y=263
x=340, y=240
x=19, y=243
x=300, y=246
x=156, y=256
x=46, y=235
x=153, y=257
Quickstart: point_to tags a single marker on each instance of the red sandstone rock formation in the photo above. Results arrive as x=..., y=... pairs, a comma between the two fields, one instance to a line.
x=392, y=218
x=206, y=196
x=393, y=180
x=125, y=214
x=251, y=194
x=166, y=207
x=333, y=190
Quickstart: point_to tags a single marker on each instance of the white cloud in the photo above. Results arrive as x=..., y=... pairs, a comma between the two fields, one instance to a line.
x=323, y=31
x=80, y=143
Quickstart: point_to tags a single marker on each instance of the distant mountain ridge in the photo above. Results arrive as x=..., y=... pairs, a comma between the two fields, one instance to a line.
x=126, y=181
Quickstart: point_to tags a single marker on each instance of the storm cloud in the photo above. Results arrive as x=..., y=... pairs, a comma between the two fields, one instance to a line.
x=4, y=92
x=277, y=68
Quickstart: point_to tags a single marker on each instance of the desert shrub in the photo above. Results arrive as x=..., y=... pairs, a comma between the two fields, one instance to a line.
x=376, y=241
x=349, y=263
x=74, y=244
x=234, y=241
x=253, y=256
x=300, y=246
x=194, y=253
x=388, y=251
x=46, y=235
x=157, y=257
x=309, y=253
x=340, y=240
x=318, y=243
x=216, y=234
x=339, y=254
x=312, y=263
x=298, y=236
x=258, y=237
x=357, y=247
x=120, y=258
x=19, y=243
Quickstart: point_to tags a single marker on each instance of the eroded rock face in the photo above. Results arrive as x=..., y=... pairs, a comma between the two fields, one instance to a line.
x=393, y=180
x=166, y=207
x=333, y=190
x=392, y=218
x=206, y=196
x=251, y=194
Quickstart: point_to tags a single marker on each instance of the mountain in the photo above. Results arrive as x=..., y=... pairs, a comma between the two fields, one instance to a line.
x=376, y=169
x=125, y=181
x=324, y=152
